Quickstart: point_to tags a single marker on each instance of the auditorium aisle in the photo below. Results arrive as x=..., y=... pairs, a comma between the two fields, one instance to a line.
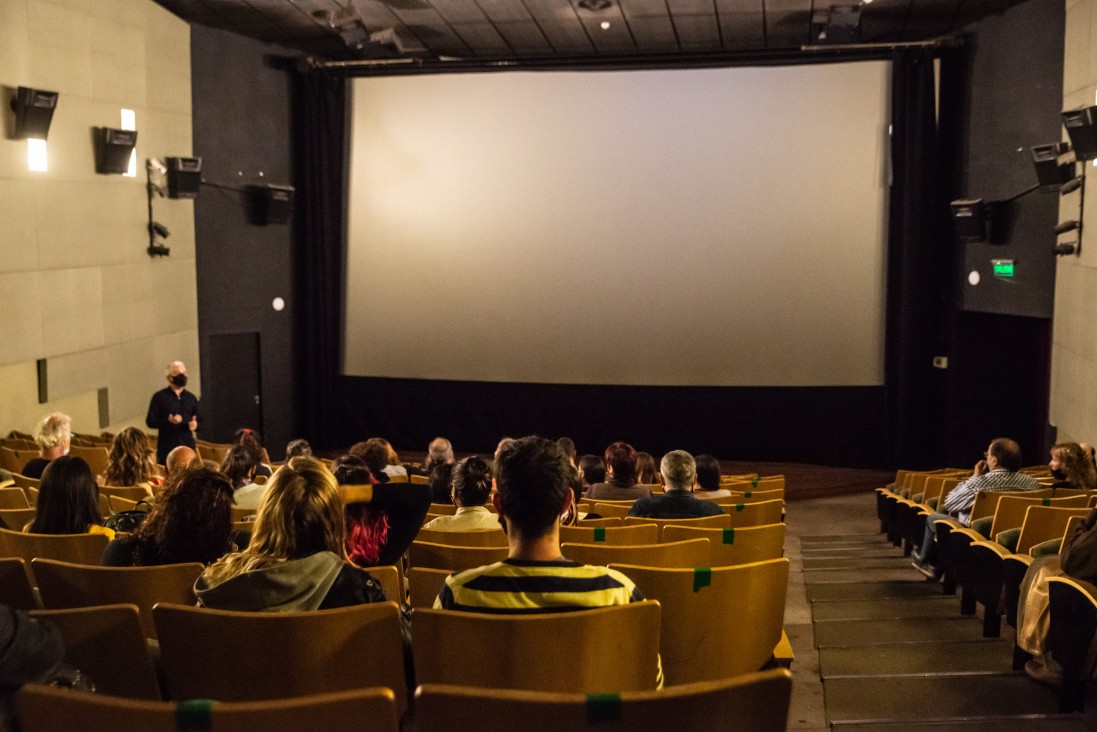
x=893, y=652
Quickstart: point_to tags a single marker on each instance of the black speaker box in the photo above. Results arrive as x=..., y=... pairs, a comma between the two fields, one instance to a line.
x=184, y=177
x=1081, y=126
x=969, y=219
x=272, y=204
x=112, y=149
x=1049, y=170
x=33, y=112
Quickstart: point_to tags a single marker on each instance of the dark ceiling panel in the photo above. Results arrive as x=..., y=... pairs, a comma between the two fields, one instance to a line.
x=691, y=7
x=505, y=11
x=788, y=30
x=441, y=40
x=567, y=36
x=460, y=11
x=739, y=6
x=782, y=7
x=615, y=39
x=742, y=30
x=644, y=8
x=550, y=9
x=654, y=34
x=417, y=15
x=524, y=37
x=482, y=38
x=697, y=31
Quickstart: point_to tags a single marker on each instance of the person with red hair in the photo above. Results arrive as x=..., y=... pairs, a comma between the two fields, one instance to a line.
x=382, y=518
x=621, y=470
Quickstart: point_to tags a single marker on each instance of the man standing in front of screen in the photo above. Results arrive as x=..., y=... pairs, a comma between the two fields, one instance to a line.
x=173, y=411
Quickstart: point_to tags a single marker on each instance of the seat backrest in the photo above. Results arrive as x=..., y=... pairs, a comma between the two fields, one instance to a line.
x=16, y=585
x=419, y=479
x=734, y=546
x=391, y=579
x=76, y=548
x=239, y=514
x=607, y=521
x=1045, y=522
x=986, y=502
x=752, y=496
x=716, y=622
x=30, y=485
x=424, y=584
x=14, y=459
x=453, y=558
x=1012, y=508
x=44, y=708
x=646, y=533
x=16, y=518
x=946, y=485
x=97, y=458
x=744, y=704
x=118, y=504
x=756, y=514
x=106, y=643
x=481, y=537
x=13, y=498
x=129, y=492
x=611, y=510
x=689, y=553
x=609, y=649
x=65, y=585
x=718, y=521
x=252, y=656
x=1073, y=628
x=442, y=509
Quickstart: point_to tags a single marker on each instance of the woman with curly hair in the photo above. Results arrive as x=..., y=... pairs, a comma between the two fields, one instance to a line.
x=131, y=461
x=296, y=559
x=382, y=518
x=1071, y=467
x=470, y=490
x=190, y=522
x=68, y=500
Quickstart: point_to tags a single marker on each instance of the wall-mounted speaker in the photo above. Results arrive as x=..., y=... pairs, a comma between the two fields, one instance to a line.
x=112, y=149
x=1050, y=170
x=272, y=204
x=33, y=112
x=969, y=219
x=184, y=177
x=1081, y=126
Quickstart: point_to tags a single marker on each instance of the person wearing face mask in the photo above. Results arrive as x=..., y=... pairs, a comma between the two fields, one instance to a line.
x=173, y=411
x=1071, y=467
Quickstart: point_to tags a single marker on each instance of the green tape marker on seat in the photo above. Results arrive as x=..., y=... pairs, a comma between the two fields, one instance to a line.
x=603, y=708
x=754, y=481
x=1045, y=502
x=740, y=506
x=194, y=715
x=729, y=536
x=702, y=577
x=599, y=533
x=748, y=494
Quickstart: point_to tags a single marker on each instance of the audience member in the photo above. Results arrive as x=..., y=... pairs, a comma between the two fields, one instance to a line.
x=381, y=459
x=1071, y=467
x=31, y=651
x=296, y=559
x=382, y=519
x=499, y=447
x=568, y=446
x=131, y=461
x=191, y=521
x=471, y=490
x=441, y=483
x=53, y=436
x=173, y=413
x=646, y=472
x=680, y=474
x=621, y=468
x=592, y=469
x=439, y=451
x=996, y=473
x=68, y=500
x=250, y=439
x=708, y=478
x=182, y=458
x=298, y=448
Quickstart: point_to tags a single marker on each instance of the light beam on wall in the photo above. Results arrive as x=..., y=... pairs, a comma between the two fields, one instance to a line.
x=36, y=156
x=129, y=122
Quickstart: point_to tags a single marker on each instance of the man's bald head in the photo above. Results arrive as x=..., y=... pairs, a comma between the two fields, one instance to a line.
x=181, y=458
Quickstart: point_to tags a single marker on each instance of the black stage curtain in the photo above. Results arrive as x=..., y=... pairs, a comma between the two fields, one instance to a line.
x=919, y=259
x=320, y=143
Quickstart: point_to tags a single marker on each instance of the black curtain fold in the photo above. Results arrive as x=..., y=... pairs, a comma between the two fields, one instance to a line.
x=321, y=142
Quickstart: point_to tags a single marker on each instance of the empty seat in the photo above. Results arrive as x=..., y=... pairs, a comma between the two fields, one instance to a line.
x=75, y=548
x=730, y=546
x=689, y=553
x=444, y=556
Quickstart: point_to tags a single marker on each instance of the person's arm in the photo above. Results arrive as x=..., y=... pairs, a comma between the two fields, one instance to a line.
x=960, y=498
x=154, y=419
x=29, y=649
x=406, y=505
x=192, y=425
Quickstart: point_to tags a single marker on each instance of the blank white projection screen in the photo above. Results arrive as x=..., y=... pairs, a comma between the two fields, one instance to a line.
x=719, y=227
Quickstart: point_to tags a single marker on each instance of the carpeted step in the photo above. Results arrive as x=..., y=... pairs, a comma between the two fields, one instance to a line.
x=1028, y=723
x=856, y=590
x=857, y=562
x=837, y=538
x=981, y=656
x=935, y=606
x=895, y=572
x=935, y=697
x=830, y=633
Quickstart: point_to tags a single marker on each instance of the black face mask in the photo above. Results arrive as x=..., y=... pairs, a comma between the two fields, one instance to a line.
x=179, y=380
x=1058, y=474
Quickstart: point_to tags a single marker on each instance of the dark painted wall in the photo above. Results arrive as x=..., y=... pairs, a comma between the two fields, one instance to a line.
x=241, y=110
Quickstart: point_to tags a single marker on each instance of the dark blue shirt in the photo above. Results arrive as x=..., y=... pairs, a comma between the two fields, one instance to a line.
x=674, y=504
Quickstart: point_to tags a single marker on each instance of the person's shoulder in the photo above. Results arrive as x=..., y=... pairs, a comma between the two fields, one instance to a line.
x=708, y=508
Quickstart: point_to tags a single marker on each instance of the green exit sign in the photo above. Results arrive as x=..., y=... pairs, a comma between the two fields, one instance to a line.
x=1002, y=267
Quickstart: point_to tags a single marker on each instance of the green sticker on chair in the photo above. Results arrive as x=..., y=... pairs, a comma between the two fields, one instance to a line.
x=603, y=708
x=748, y=494
x=702, y=577
x=740, y=506
x=194, y=715
x=754, y=481
x=729, y=536
x=599, y=533
x=1045, y=502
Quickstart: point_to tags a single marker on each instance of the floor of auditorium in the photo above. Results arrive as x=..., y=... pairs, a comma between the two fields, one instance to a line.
x=878, y=647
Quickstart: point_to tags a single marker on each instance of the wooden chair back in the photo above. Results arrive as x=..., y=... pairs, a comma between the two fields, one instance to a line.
x=118, y=504
x=255, y=656
x=419, y=479
x=986, y=502
x=30, y=485
x=611, y=510
x=1045, y=522
x=391, y=579
x=424, y=584
x=17, y=585
x=731, y=546
x=752, y=496
x=129, y=492
x=716, y=622
x=756, y=514
x=1072, y=637
x=239, y=514
x=43, y=708
x=106, y=643
x=744, y=704
x=480, y=538
x=64, y=585
x=442, y=509
x=97, y=458
x=646, y=533
x=708, y=522
x=946, y=487
x=1012, y=507
x=76, y=548
x=16, y=518
x=610, y=649
x=14, y=459
x=453, y=558
x=685, y=554
x=214, y=451
x=13, y=498
x=607, y=521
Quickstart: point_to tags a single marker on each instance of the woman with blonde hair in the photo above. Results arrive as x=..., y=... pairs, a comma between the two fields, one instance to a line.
x=296, y=559
x=131, y=461
x=53, y=436
x=1071, y=467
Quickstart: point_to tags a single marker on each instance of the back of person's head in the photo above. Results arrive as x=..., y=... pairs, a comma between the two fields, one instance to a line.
x=471, y=481
x=181, y=458
x=298, y=448
x=367, y=530
x=503, y=442
x=1008, y=453
x=533, y=476
x=646, y=472
x=54, y=429
x=239, y=465
x=191, y=520
x=376, y=457
x=68, y=498
x=679, y=469
x=568, y=446
x=441, y=483
x=621, y=462
x=439, y=451
x=249, y=438
x=708, y=472
x=391, y=458
x=130, y=458
x=592, y=469
x=1075, y=465
x=351, y=470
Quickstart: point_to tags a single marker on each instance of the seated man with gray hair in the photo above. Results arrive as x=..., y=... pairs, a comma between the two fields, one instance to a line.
x=680, y=476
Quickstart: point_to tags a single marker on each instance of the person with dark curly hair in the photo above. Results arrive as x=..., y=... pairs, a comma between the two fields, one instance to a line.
x=471, y=489
x=68, y=500
x=382, y=519
x=191, y=521
x=441, y=483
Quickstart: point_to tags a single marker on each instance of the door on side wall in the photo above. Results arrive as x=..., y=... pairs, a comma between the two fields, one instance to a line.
x=232, y=385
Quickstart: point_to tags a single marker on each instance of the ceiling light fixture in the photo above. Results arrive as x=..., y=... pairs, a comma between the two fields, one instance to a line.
x=595, y=6
x=605, y=25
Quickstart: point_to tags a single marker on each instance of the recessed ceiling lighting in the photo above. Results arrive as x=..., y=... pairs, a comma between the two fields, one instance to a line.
x=605, y=25
x=594, y=5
